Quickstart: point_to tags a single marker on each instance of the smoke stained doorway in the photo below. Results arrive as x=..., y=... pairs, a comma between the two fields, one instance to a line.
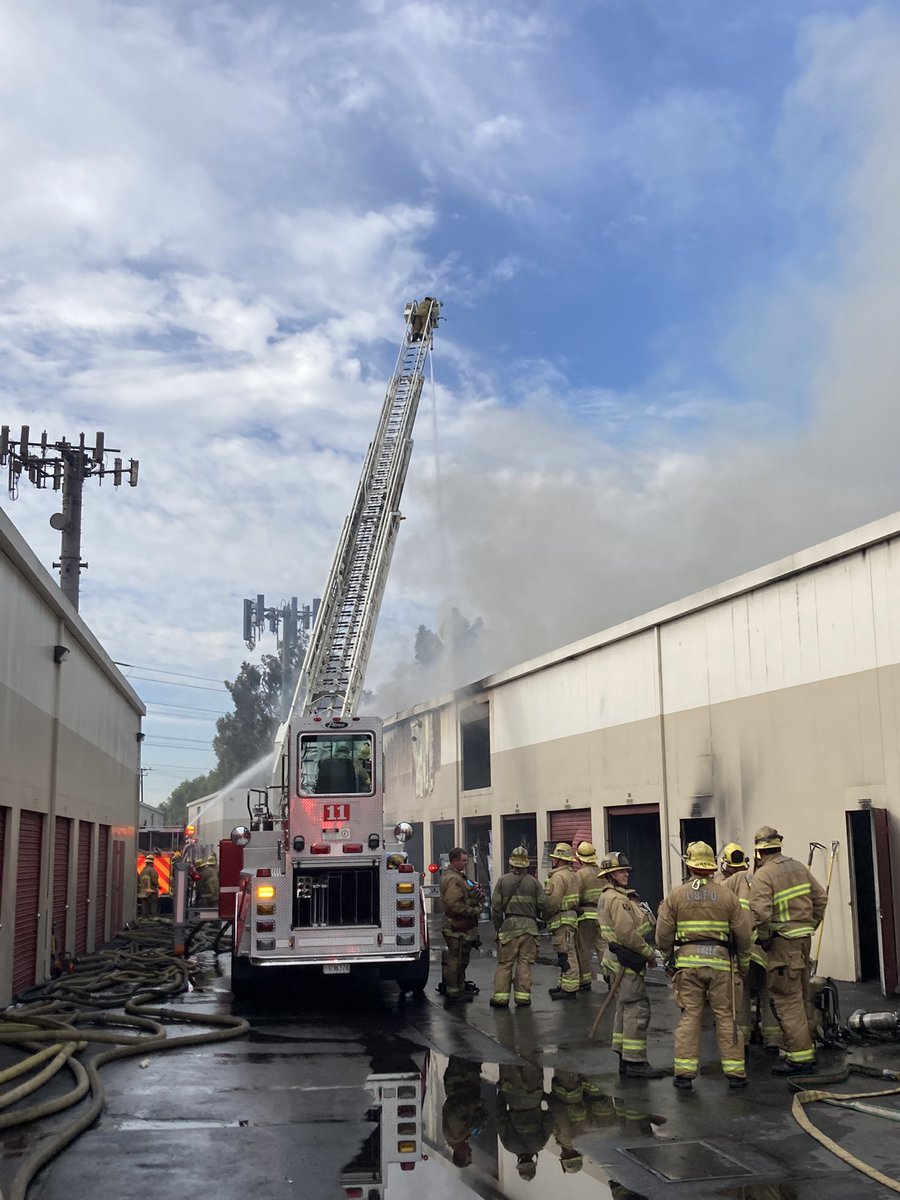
x=633, y=829
x=520, y=830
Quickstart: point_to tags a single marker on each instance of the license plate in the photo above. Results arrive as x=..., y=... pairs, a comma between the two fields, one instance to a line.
x=336, y=968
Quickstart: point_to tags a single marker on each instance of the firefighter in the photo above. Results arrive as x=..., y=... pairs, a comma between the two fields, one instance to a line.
x=208, y=886
x=461, y=904
x=788, y=904
x=518, y=903
x=625, y=926
x=588, y=937
x=463, y=1114
x=523, y=1123
x=569, y=1116
x=698, y=921
x=734, y=872
x=148, y=888
x=562, y=919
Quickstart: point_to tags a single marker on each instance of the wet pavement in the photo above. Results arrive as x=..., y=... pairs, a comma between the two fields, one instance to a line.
x=356, y=1093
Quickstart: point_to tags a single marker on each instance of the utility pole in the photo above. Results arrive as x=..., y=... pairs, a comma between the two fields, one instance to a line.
x=295, y=624
x=64, y=465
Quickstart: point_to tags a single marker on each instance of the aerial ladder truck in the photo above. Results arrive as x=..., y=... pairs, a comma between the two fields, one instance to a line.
x=316, y=880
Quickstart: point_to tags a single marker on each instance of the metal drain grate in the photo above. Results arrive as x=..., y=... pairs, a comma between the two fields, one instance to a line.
x=682, y=1162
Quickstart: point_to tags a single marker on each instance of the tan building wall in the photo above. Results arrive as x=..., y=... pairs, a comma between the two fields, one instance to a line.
x=69, y=752
x=771, y=699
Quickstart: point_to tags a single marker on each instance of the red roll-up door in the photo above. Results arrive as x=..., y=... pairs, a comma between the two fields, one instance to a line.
x=82, y=886
x=100, y=900
x=118, y=887
x=28, y=890
x=62, y=849
x=572, y=825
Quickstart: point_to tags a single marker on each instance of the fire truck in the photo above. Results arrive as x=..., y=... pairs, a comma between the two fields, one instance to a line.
x=315, y=880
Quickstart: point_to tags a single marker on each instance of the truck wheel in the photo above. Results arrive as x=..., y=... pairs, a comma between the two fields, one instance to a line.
x=415, y=978
x=244, y=977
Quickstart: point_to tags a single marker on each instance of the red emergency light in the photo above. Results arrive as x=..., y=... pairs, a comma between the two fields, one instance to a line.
x=434, y=868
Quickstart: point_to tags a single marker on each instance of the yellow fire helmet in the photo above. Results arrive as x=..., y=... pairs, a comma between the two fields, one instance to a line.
x=614, y=861
x=519, y=857
x=586, y=852
x=562, y=851
x=733, y=858
x=700, y=857
x=767, y=838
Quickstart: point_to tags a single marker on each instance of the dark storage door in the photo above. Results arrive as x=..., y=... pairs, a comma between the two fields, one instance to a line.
x=884, y=883
x=3, y=812
x=634, y=831
x=82, y=886
x=28, y=890
x=102, y=885
x=62, y=849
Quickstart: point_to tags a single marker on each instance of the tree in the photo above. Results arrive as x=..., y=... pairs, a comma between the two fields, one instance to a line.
x=174, y=809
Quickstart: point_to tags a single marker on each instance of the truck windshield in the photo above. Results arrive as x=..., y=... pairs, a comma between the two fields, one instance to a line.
x=334, y=764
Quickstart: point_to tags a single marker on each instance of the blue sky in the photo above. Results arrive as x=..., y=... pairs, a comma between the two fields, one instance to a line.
x=665, y=236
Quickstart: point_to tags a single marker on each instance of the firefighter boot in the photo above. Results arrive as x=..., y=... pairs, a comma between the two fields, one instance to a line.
x=786, y=1067
x=684, y=1083
x=642, y=1070
x=558, y=993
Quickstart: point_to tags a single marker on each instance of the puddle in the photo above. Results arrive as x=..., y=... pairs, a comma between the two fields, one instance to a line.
x=491, y=1127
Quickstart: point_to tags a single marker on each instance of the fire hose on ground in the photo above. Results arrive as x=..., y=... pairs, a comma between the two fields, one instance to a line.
x=61, y=1019
x=809, y=1093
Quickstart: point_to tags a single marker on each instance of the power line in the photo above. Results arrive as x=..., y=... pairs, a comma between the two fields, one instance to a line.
x=199, y=687
x=161, y=737
x=215, y=712
x=163, y=671
x=177, y=766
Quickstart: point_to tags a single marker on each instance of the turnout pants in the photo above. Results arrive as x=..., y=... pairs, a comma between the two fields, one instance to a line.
x=754, y=988
x=564, y=943
x=632, y=1016
x=788, y=982
x=455, y=960
x=587, y=942
x=692, y=988
x=516, y=955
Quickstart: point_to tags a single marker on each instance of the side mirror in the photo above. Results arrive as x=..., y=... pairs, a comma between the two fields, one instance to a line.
x=240, y=835
x=403, y=831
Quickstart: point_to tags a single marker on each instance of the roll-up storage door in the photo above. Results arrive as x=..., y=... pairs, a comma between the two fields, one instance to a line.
x=62, y=850
x=28, y=890
x=570, y=825
x=100, y=899
x=82, y=886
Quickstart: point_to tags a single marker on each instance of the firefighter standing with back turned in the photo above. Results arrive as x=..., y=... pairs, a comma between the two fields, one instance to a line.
x=625, y=925
x=517, y=904
x=461, y=905
x=734, y=872
x=562, y=919
x=788, y=905
x=699, y=920
x=588, y=937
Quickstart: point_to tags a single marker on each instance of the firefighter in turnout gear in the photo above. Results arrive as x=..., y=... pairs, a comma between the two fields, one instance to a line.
x=625, y=926
x=523, y=1124
x=787, y=904
x=461, y=906
x=518, y=903
x=208, y=884
x=699, y=920
x=734, y=873
x=588, y=937
x=148, y=888
x=562, y=919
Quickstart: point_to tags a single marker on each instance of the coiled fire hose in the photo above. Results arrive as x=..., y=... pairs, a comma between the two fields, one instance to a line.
x=854, y=1100
x=61, y=1019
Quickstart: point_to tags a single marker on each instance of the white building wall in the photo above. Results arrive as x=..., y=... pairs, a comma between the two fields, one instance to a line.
x=68, y=748
x=773, y=698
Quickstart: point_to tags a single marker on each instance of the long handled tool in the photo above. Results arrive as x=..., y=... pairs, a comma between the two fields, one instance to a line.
x=813, y=847
x=814, y=962
x=606, y=1003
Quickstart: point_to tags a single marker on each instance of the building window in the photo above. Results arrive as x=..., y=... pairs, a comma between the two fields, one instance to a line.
x=475, y=729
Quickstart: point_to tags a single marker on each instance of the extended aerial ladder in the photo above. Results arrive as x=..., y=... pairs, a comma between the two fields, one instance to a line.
x=332, y=676
x=319, y=882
